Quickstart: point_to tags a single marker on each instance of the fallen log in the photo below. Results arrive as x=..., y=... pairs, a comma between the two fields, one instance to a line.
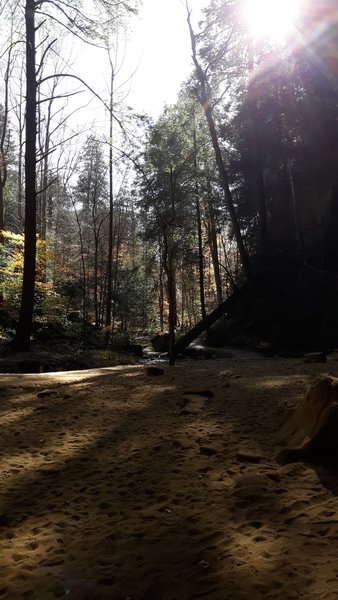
x=217, y=313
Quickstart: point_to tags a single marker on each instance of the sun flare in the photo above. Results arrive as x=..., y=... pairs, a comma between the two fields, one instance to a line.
x=273, y=19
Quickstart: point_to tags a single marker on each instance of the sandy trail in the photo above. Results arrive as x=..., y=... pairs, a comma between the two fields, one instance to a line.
x=118, y=485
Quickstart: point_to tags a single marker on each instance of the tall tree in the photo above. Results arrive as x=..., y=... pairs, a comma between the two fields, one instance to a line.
x=4, y=123
x=23, y=332
x=199, y=220
x=206, y=101
x=90, y=192
x=168, y=199
x=111, y=201
x=71, y=17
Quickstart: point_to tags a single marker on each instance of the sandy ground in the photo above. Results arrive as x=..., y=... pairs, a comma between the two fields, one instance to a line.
x=120, y=485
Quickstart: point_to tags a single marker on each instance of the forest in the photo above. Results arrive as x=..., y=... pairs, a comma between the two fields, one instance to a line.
x=138, y=226
x=209, y=229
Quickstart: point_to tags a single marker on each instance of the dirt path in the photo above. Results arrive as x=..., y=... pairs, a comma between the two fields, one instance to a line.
x=118, y=485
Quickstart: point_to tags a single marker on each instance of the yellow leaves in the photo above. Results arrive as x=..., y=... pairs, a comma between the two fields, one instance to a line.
x=11, y=266
x=125, y=255
x=13, y=238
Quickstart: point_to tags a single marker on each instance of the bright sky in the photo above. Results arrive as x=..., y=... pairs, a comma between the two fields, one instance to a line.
x=158, y=51
x=156, y=58
x=151, y=64
x=271, y=19
x=160, y=41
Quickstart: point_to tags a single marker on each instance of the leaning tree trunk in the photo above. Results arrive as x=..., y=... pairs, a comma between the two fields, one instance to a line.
x=23, y=332
x=204, y=99
x=257, y=175
x=227, y=193
x=199, y=228
x=200, y=256
x=205, y=323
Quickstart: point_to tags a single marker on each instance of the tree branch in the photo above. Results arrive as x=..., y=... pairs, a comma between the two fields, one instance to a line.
x=44, y=79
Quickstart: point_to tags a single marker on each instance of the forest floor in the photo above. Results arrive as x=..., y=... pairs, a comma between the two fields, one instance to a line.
x=118, y=485
x=58, y=355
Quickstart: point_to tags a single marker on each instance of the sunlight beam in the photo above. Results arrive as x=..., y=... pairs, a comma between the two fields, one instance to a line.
x=273, y=19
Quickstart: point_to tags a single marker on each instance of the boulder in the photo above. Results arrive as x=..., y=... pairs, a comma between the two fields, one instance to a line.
x=310, y=432
x=160, y=342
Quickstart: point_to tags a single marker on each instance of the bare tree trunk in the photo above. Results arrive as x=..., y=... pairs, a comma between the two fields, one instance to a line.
x=21, y=127
x=3, y=175
x=42, y=194
x=200, y=256
x=111, y=212
x=115, y=274
x=204, y=98
x=184, y=303
x=83, y=268
x=255, y=155
x=199, y=229
x=169, y=271
x=295, y=212
x=161, y=292
x=214, y=252
x=292, y=216
x=96, y=282
x=23, y=332
x=44, y=151
x=4, y=143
